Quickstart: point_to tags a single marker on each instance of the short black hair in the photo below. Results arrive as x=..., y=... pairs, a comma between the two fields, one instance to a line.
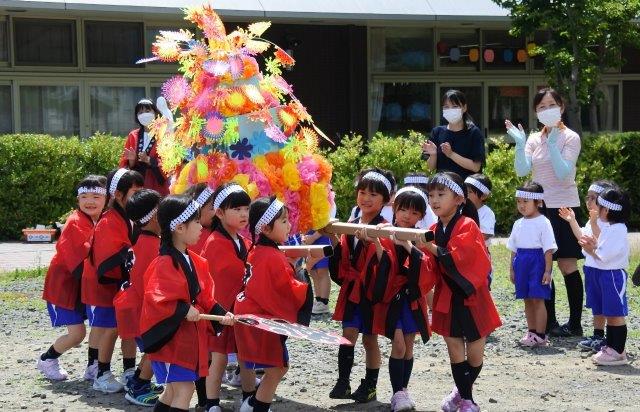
x=170, y=208
x=617, y=196
x=468, y=209
x=145, y=104
x=482, y=179
x=141, y=204
x=92, y=181
x=375, y=185
x=233, y=200
x=257, y=209
x=410, y=200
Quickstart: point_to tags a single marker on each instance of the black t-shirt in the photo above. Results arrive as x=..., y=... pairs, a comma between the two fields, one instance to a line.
x=467, y=143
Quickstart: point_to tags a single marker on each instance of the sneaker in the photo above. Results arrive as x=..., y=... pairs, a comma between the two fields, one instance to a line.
x=155, y=388
x=319, y=308
x=451, y=402
x=143, y=396
x=400, y=402
x=215, y=409
x=341, y=390
x=126, y=377
x=538, y=341
x=586, y=343
x=51, y=369
x=469, y=406
x=413, y=403
x=91, y=372
x=366, y=392
x=107, y=383
x=609, y=357
x=598, y=344
x=245, y=407
x=528, y=340
x=234, y=379
x=565, y=331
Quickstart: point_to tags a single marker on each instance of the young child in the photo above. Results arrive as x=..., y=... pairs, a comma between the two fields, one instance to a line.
x=272, y=291
x=401, y=286
x=226, y=252
x=591, y=228
x=203, y=195
x=608, y=296
x=353, y=306
x=142, y=209
x=532, y=245
x=479, y=189
x=463, y=310
x=62, y=283
x=178, y=289
x=106, y=268
x=420, y=180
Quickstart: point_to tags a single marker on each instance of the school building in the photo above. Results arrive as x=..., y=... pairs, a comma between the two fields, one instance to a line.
x=68, y=67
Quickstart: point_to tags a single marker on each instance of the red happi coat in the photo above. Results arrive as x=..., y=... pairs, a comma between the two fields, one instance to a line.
x=400, y=276
x=202, y=241
x=347, y=270
x=110, y=258
x=128, y=302
x=464, y=261
x=228, y=268
x=154, y=177
x=62, y=283
x=272, y=291
x=166, y=334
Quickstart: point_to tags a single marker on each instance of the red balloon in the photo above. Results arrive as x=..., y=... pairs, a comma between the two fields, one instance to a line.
x=489, y=55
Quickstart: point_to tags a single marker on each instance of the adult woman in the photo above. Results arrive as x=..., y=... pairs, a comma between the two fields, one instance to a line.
x=551, y=156
x=140, y=152
x=459, y=146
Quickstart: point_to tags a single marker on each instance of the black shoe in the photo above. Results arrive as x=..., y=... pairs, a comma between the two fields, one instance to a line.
x=552, y=326
x=565, y=331
x=341, y=390
x=635, y=279
x=366, y=392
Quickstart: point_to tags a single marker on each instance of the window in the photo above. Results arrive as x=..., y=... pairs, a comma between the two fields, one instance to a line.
x=112, y=108
x=6, y=119
x=607, y=112
x=4, y=43
x=631, y=55
x=40, y=42
x=398, y=107
x=508, y=102
x=503, y=51
x=50, y=109
x=474, y=102
x=113, y=44
x=459, y=49
x=401, y=49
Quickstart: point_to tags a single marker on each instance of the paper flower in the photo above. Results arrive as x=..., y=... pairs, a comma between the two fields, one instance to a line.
x=284, y=58
x=308, y=170
x=294, y=149
x=214, y=126
x=291, y=176
x=241, y=150
x=176, y=90
x=275, y=134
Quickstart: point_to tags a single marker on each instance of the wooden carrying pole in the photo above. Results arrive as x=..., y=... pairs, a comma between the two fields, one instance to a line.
x=400, y=233
x=315, y=251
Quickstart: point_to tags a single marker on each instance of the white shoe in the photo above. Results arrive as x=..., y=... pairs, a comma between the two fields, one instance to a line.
x=413, y=403
x=245, y=407
x=107, y=383
x=319, y=308
x=126, y=377
x=234, y=379
x=91, y=372
x=400, y=402
x=51, y=369
x=215, y=409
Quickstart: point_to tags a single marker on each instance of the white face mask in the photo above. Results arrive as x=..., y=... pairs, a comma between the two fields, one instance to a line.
x=145, y=119
x=452, y=115
x=550, y=117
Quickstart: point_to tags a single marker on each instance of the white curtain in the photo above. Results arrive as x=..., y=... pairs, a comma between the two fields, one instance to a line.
x=378, y=64
x=112, y=108
x=50, y=109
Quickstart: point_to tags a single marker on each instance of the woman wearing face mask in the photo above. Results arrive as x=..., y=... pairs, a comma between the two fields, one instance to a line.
x=459, y=146
x=551, y=156
x=140, y=152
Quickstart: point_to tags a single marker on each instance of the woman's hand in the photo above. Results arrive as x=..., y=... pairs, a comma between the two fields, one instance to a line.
x=518, y=134
x=567, y=214
x=446, y=149
x=130, y=154
x=144, y=157
x=228, y=319
x=430, y=148
x=193, y=315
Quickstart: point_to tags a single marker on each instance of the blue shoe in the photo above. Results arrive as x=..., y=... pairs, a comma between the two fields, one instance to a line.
x=142, y=396
x=155, y=388
x=587, y=343
x=598, y=343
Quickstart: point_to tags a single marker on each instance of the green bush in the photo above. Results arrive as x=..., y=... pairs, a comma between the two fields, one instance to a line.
x=38, y=175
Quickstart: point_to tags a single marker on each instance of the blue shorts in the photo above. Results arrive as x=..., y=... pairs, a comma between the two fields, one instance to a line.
x=139, y=344
x=356, y=322
x=406, y=322
x=606, y=291
x=324, y=262
x=64, y=317
x=101, y=316
x=168, y=372
x=529, y=266
x=253, y=365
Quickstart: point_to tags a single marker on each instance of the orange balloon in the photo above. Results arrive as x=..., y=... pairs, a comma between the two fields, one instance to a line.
x=474, y=55
x=521, y=56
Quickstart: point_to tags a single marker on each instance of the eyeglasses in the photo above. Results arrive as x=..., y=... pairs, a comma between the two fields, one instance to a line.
x=590, y=198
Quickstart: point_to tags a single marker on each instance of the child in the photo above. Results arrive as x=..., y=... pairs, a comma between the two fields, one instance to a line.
x=387, y=209
x=271, y=291
x=532, y=245
x=178, y=289
x=62, y=283
x=420, y=180
x=608, y=296
x=479, y=190
x=142, y=209
x=106, y=268
x=401, y=285
x=353, y=306
x=202, y=194
x=226, y=252
x=463, y=311
x=591, y=228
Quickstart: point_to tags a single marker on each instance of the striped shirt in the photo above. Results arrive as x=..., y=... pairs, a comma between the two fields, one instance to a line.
x=557, y=193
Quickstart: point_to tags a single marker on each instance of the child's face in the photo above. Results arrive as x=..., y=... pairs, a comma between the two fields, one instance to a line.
x=474, y=198
x=236, y=218
x=444, y=202
x=189, y=232
x=279, y=233
x=92, y=204
x=527, y=207
x=407, y=217
x=206, y=214
x=124, y=199
x=591, y=199
x=370, y=203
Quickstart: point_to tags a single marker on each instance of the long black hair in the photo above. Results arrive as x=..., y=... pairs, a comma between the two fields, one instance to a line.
x=459, y=99
x=466, y=208
x=128, y=180
x=233, y=200
x=256, y=210
x=145, y=104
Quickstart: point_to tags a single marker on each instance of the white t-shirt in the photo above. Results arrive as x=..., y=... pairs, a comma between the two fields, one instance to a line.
x=613, y=247
x=586, y=231
x=532, y=233
x=487, y=222
x=145, y=140
x=186, y=257
x=386, y=213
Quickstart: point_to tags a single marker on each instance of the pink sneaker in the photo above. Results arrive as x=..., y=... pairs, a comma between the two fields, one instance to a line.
x=528, y=340
x=91, y=372
x=538, y=341
x=609, y=357
x=468, y=406
x=413, y=403
x=400, y=402
x=52, y=369
x=452, y=401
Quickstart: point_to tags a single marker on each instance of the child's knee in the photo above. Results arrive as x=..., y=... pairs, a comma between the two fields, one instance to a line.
x=370, y=342
x=77, y=333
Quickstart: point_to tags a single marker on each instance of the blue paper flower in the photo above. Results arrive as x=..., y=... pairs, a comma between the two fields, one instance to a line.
x=261, y=142
x=241, y=149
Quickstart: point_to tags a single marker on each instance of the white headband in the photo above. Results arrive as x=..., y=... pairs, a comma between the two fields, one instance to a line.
x=96, y=189
x=186, y=214
x=416, y=180
x=115, y=180
x=478, y=184
x=529, y=195
x=224, y=193
x=145, y=101
x=268, y=215
x=609, y=205
x=380, y=178
x=204, y=196
x=446, y=181
x=414, y=190
x=596, y=188
x=146, y=218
